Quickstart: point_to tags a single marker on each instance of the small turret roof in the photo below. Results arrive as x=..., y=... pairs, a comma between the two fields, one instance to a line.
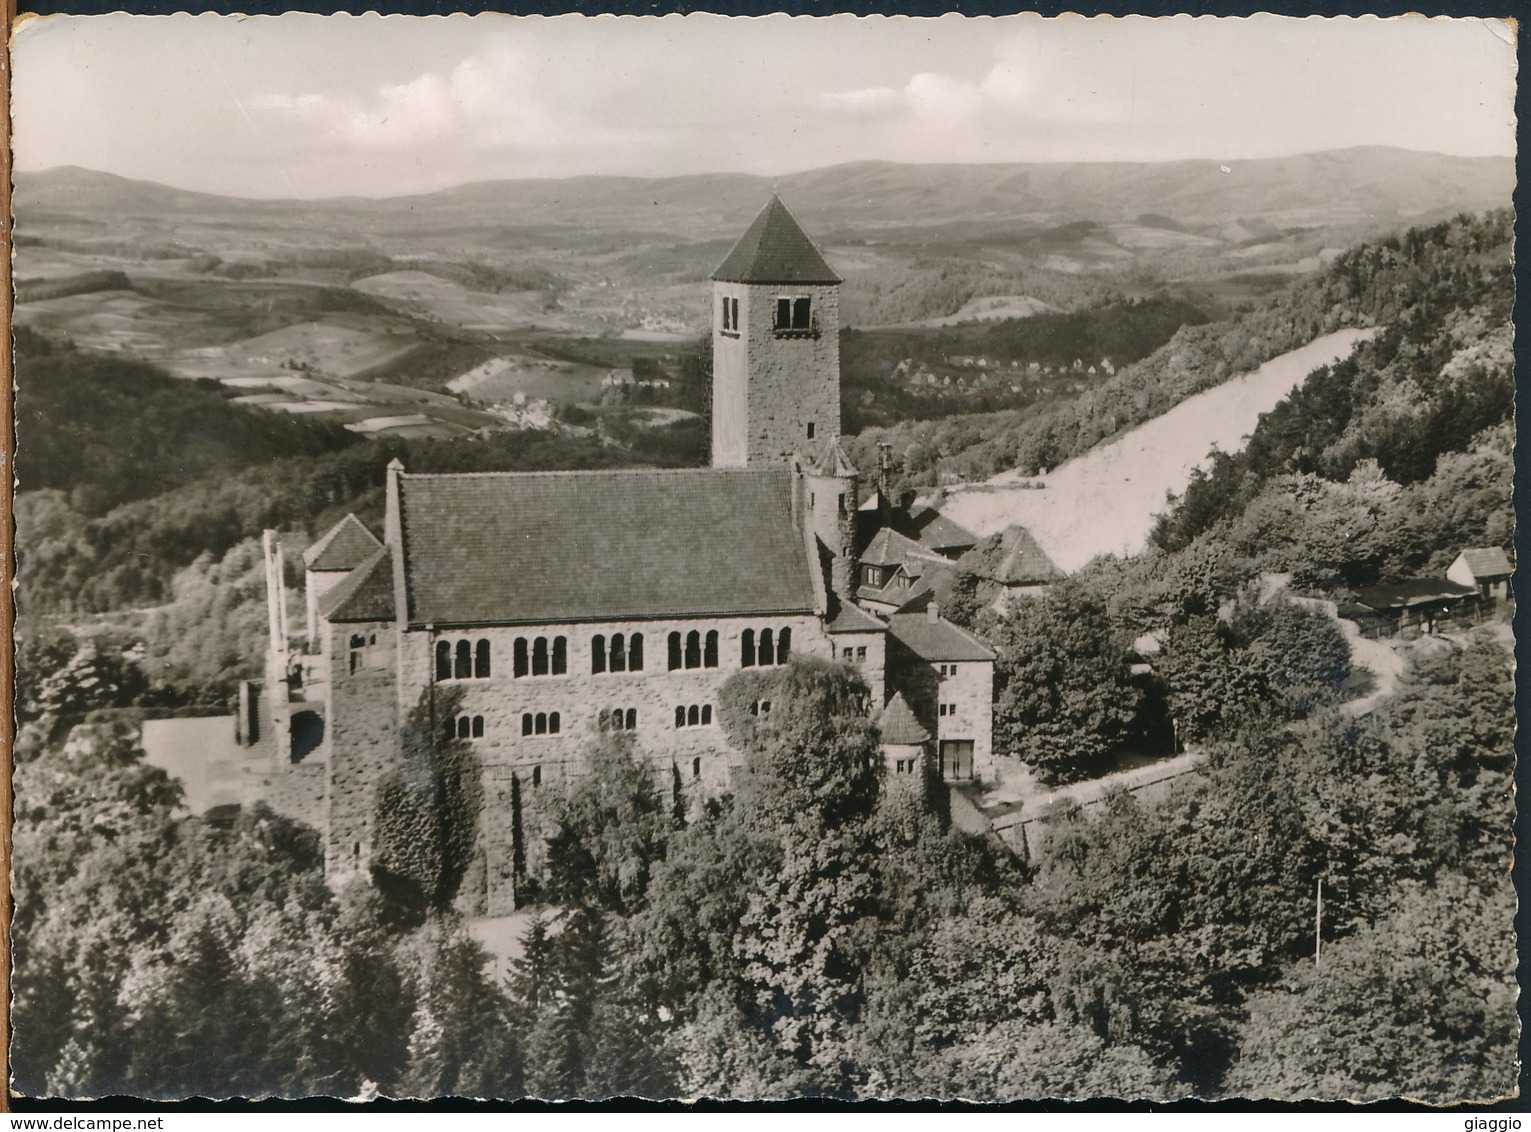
x=898, y=725
x=343, y=547
x=831, y=460
x=365, y=594
x=774, y=249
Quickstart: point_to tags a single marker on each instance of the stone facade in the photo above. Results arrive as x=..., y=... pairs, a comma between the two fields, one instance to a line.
x=579, y=695
x=776, y=391
x=361, y=737
x=869, y=653
x=953, y=699
x=382, y=649
x=967, y=690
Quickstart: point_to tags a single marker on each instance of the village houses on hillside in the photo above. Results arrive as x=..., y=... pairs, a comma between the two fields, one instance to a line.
x=560, y=605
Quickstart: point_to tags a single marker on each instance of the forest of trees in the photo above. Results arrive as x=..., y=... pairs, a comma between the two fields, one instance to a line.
x=808, y=934
x=812, y=931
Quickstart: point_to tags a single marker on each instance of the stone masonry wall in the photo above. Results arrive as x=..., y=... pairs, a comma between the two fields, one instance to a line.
x=791, y=381
x=730, y=402
x=580, y=695
x=970, y=694
x=847, y=648
x=362, y=725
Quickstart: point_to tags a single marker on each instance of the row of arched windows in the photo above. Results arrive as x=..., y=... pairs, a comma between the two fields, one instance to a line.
x=693, y=650
x=544, y=656
x=539, y=656
x=464, y=727
x=764, y=649
x=619, y=655
x=462, y=660
x=696, y=715
x=542, y=723
x=616, y=719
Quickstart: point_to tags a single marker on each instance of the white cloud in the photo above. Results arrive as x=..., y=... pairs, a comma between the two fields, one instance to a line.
x=941, y=98
x=866, y=101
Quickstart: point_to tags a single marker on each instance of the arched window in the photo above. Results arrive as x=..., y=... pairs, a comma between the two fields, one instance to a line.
x=464, y=727
x=767, y=651
x=693, y=716
x=618, y=653
x=747, y=649
x=680, y=717
x=526, y=724
x=631, y=721
x=540, y=657
x=478, y=727
x=450, y=730
x=443, y=660
x=464, y=670
x=536, y=776
x=598, y=653
x=693, y=649
x=635, y=653
x=783, y=644
x=696, y=768
x=710, y=653
x=674, y=651
x=706, y=715
x=519, y=661
x=560, y=655
x=540, y=723
x=481, y=659
x=554, y=724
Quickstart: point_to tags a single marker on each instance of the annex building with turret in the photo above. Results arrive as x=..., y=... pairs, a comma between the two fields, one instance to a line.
x=558, y=606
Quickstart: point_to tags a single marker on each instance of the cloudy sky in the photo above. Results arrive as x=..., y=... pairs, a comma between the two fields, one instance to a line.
x=302, y=105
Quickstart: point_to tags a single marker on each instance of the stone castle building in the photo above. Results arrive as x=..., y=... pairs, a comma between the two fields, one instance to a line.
x=557, y=606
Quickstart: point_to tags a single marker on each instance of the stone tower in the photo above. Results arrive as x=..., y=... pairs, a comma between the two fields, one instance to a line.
x=775, y=346
x=832, y=484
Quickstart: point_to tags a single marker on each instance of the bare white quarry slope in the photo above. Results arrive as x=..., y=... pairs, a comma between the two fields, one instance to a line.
x=1104, y=501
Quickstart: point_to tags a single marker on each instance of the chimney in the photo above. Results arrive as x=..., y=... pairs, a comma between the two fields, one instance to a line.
x=933, y=611
x=275, y=599
x=884, y=500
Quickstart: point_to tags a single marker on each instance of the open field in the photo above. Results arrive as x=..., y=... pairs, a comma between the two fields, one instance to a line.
x=537, y=289
x=1105, y=501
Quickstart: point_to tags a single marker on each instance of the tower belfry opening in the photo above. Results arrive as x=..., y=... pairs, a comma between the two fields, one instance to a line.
x=775, y=345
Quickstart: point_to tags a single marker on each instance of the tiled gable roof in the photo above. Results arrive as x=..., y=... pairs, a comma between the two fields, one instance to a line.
x=774, y=250
x=530, y=547
x=898, y=725
x=1487, y=562
x=1012, y=558
x=343, y=547
x=935, y=530
x=365, y=594
x=851, y=618
x=936, y=639
x=889, y=548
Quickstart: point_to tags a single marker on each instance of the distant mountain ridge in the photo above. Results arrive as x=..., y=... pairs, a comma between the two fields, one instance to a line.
x=867, y=199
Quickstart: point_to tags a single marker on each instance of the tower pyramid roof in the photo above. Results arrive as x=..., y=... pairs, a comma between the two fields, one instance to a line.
x=898, y=725
x=774, y=249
